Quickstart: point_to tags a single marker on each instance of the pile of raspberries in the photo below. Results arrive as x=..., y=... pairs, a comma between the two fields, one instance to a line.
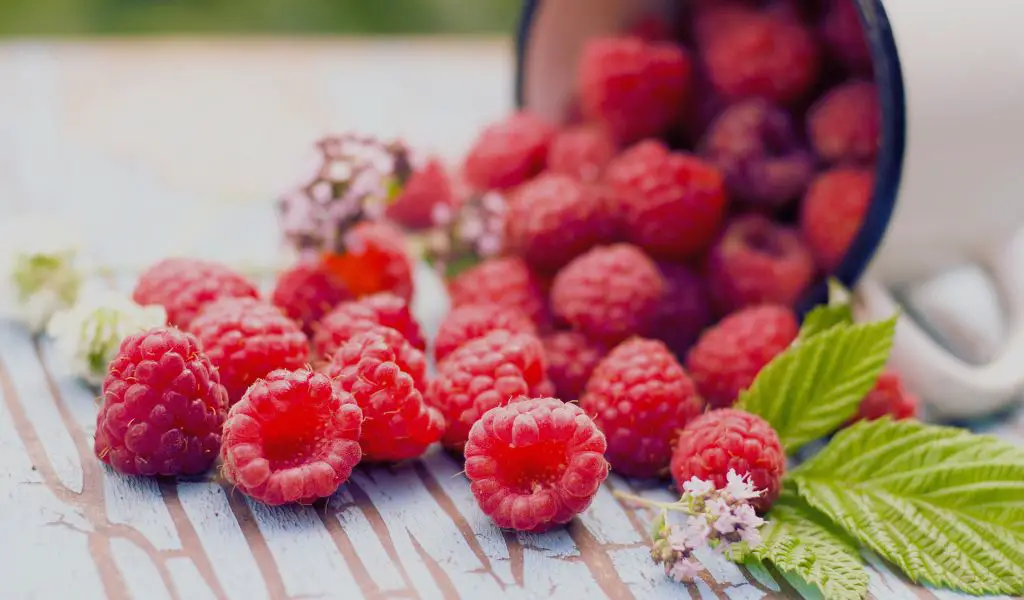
x=651, y=255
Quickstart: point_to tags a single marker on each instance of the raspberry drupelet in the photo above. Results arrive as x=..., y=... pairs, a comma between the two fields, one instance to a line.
x=183, y=286
x=163, y=406
x=471, y=321
x=293, y=437
x=484, y=373
x=507, y=282
x=671, y=204
x=729, y=355
x=581, y=151
x=508, y=152
x=356, y=316
x=609, y=293
x=397, y=423
x=641, y=397
x=535, y=463
x=721, y=440
x=307, y=291
x=247, y=338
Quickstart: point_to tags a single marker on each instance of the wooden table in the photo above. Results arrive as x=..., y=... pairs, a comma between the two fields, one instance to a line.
x=169, y=146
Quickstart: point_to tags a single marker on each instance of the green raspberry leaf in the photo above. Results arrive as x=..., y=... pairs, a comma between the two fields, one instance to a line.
x=799, y=541
x=825, y=317
x=816, y=385
x=944, y=505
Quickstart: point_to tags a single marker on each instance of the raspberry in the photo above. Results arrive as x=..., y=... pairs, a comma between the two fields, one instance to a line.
x=844, y=35
x=472, y=321
x=727, y=357
x=397, y=423
x=760, y=153
x=356, y=316
x=652, y=28
x=581, y=152
x=845, y=124
x=728, y=439
x=671, y=203
x=506, y=282
x=535, y=463
x=163, y=406
x=554, y=218
x=609, y=293
x=427, y=188
x=184, y=285
x=888, y=398
x=307, y=291
x=245, y=339
x=374, y=260
x=640, y=397
x=484, y=373
x=758, y=261
x=684, y=311
x=571, y=359
x=761, y=54
x=636, y=89
x=508, y=152
x=293, y=437
x=833, y=210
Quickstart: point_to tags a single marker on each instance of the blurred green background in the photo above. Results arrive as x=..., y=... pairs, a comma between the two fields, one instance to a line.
x=365, y=17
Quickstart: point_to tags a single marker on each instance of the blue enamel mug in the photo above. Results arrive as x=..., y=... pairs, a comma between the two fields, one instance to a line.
x=950, y=170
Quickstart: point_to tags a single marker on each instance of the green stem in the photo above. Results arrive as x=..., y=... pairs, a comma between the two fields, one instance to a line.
x=673, y=506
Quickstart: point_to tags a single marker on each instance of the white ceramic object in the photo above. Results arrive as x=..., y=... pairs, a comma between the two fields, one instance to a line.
x=952, y=83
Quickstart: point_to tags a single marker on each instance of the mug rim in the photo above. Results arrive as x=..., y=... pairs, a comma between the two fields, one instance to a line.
x=888, y=77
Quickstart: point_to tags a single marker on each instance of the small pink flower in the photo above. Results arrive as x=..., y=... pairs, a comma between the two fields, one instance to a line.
x=698, y=487
x=740, y=487
x=684, y=569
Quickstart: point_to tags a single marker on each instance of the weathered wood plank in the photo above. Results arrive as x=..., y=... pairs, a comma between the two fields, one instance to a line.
x=552, y=567
x=30, y=384
x=368, y=547
x=188, y=582
x=430, y=545
x=306, y=556
x=221, y=537
x=139, y=573
x=137, y=503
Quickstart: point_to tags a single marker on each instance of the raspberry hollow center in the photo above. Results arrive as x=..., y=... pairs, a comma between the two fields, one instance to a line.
x=526, y=469
x=290, y=439
x=764, y=241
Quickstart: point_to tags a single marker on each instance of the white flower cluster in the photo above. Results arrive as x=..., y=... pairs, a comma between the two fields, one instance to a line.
x=90, y=333
x=715, y=518
x=41, y=267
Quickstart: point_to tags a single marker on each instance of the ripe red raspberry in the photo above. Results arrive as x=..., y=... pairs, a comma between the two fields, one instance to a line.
x=684, y=310
x=571, y=359
x=888, y=398
x=758, y=261
x=833, y=211
x=845, y=124
x=472, y=321
x=484, y=373
x=508, y=152
x=761, y=54
x=163, y=406
x=554, y=218
x=375, y=260
x=728, y=439
x=428, y=187
x=636, y=89
x=293, y=437
x=844, y=35
x=245, y=339
x=640, y=397
x=356, y=316
x=507, y=282
x=760, y=152
x=581, y=151
x=671, y=203
x=184, y=285
x=609, y=293
x=307, y=291
x=397, y=423
x=727, y=357
x=535, y=463
x=653, y=28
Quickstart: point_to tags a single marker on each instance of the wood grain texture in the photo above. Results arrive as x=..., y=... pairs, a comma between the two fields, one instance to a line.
x=151, y=150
